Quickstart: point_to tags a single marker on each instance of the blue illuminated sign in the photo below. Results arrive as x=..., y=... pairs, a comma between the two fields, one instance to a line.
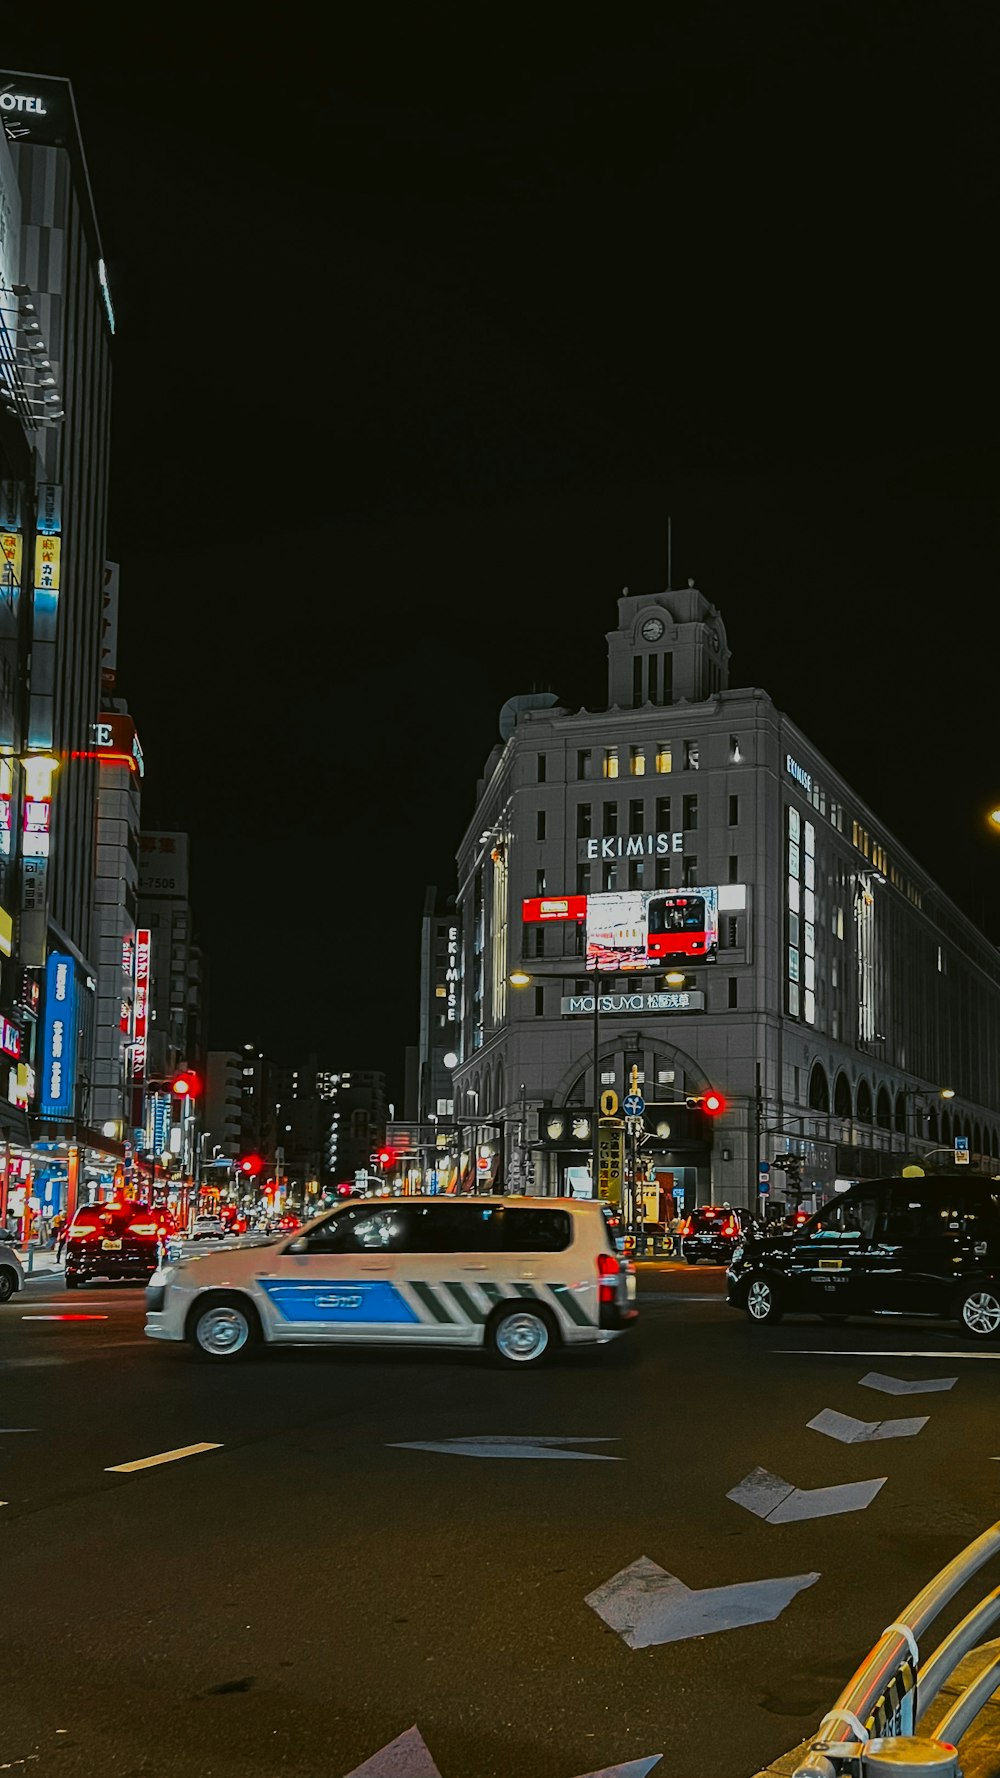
x=58, y=1094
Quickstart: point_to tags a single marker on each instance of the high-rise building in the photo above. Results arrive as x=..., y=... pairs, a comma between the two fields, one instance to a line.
x=174, y=1030
x=56, y=326
x=753, y=927
x=440, y=987
x=120, y=769
x=357, y=1122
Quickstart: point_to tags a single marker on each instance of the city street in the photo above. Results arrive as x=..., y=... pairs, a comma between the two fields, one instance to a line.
x=304, y=1589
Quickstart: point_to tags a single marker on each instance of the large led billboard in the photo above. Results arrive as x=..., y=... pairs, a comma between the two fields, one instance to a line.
x=631, y=929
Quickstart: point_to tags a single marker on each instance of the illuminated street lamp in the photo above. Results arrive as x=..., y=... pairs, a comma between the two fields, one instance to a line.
x=994, y=817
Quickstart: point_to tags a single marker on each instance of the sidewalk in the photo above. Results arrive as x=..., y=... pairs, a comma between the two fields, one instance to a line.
x=36, y=1260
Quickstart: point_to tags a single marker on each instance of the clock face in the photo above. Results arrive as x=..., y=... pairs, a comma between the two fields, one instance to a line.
x=652, y=629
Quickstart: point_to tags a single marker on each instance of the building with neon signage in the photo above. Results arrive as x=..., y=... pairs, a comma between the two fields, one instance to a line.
x=56, y=326
x=120, y=770
x=821, y=980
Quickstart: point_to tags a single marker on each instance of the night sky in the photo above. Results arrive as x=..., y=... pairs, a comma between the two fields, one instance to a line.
x=423, y=332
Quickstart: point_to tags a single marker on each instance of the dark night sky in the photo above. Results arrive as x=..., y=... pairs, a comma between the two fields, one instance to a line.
x=421, y=335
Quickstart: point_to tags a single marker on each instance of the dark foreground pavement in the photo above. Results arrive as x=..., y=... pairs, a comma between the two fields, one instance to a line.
x=296, y=1597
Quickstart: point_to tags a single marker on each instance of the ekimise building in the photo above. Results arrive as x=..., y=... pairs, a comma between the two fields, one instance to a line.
x=838, y=990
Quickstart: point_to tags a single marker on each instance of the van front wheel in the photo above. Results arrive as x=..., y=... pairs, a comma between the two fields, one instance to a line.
x=521, y=1335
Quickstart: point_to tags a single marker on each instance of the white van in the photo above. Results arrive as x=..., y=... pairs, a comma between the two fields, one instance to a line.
x=519, y=1276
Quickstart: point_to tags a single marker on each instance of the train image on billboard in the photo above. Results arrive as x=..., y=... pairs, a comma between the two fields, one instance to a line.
x=635, y=929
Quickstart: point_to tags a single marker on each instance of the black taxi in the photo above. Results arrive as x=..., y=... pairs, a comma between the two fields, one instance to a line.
x=922, y=1246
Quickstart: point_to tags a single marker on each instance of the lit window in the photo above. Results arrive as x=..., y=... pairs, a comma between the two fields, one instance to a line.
x=441, y=991
x=637, y=761
x=607, y=1077
x=664, y=757
x=611, y=762
x=664, y=1077
x=809, y=1007
x=692, y=756
x=735, y=751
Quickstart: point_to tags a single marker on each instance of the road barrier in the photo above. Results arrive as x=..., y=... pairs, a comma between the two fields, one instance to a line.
x=883, y=1721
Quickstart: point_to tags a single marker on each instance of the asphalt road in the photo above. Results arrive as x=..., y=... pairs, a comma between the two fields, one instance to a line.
x=296, y=1597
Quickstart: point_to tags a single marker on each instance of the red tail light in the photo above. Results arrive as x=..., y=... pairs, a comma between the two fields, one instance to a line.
x=730, y=1226
x=81, y=1230
x=608, y=1267
x=144, y=1228
x=687, y=1226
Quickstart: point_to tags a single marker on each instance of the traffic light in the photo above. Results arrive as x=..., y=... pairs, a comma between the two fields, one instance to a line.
x=251, y=1165
x=711, y=1103
x=186, y=1085
x=387, y=1158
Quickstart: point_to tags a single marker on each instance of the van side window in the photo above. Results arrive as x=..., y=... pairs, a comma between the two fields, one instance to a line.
x=535, y=1231
x=845, y=1217
x=918, y=1214
x=453, y=1228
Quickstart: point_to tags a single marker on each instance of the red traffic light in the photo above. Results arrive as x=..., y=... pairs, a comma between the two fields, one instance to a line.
x=387, y=1158
x=714, y=1104
x=186, y=1085
x=251, y=1165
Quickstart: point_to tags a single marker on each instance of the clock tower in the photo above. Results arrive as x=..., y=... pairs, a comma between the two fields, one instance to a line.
x=669, y=648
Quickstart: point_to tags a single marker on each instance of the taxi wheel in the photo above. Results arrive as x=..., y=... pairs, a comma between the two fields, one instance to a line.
x=71, y=1281
x=763, y=1306
x=223, y=1327
x=522, y=1334
x=979, y=1313
x=8, y=1284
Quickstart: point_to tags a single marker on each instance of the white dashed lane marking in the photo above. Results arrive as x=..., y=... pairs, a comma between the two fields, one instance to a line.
x=780, y=1503
x=849, y=1431
x=161, y=1457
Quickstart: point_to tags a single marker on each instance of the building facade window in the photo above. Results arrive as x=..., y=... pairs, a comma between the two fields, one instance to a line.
x=690, y=821
x=663, y=814
x=734, y=995
x=664, y=757
x=735, y=751
x=583, y=821
x=692, y=756
x=734, y=867
x=539, y=941
x=609, y=875
x=734, y=811
x=584, y=762
x=539, y=1003
x=540, y=768
x=636, y=815
x=610, y=818
x=690, y=870
x=637, y=681
x=540, y=824
x=652, y=679
x=540, y=881
x=637, y=762
x=668, y=678
x=636, y=873
x=663, y=873
x=611, y=762
x=583, y=880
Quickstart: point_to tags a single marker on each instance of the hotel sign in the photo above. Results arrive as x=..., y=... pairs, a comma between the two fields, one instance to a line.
x=631, y=845
x=682, y=1001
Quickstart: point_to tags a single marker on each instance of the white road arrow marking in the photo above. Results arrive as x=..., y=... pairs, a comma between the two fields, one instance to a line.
x=861, y=1432
x=897, y=1385
x=406, y=1757
x=503, y=1446
x=777, y=1501
x=647, y=1606
x=409, y=1757
x=634, y=1768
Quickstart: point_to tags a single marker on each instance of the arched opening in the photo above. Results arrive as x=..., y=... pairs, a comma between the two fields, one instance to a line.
x=901, y=1113
x=842, y=1104
x=946, y=1129
x=932, y=1125
x=977, y=1139
x=864, y=1102
x=819, y=1089
x=883, y=1110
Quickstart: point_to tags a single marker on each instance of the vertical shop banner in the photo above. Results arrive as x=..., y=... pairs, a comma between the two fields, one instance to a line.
x=610, y=1162
x=140, y=1004
x=59, y=1021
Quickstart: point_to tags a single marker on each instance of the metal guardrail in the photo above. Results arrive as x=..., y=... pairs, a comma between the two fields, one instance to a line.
x=872, y=1727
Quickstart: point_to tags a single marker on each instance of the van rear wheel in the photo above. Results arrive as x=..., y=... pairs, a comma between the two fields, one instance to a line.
x=521, y=1335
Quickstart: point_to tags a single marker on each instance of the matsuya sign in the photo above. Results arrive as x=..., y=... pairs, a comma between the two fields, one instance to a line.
x=631, y=845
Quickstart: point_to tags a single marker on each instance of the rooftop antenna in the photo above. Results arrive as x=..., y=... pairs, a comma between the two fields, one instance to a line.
x=670, y=552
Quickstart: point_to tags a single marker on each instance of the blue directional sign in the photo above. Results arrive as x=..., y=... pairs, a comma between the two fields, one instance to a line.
x=633, y=1104
x=962, y=1151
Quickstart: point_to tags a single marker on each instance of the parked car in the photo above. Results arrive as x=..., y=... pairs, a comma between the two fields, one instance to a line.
x=925, y=1246
x=113, y=1240
x=712, y=1232
x=519, y=1277
x=11, y=1274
